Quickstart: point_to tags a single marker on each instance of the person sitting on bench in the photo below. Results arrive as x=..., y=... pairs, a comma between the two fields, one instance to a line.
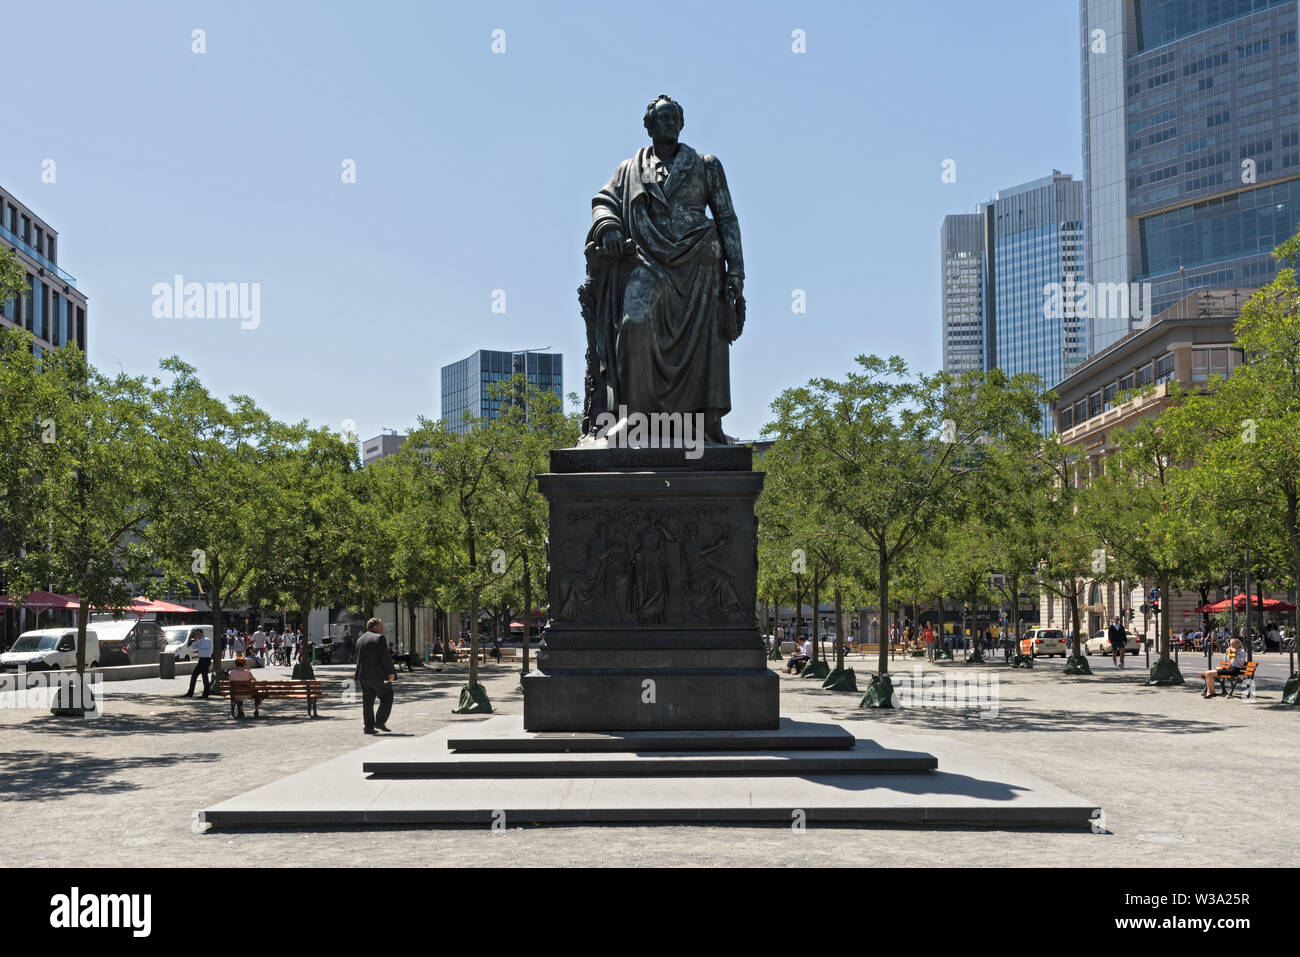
x=796, y=663
x=399, y=660
x=241, y=673
x=1234, y=668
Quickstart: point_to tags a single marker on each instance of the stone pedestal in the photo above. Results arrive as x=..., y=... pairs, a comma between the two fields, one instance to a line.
x=653, y=566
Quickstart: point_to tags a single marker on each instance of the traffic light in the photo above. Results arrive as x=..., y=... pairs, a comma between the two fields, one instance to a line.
x=1155, y=604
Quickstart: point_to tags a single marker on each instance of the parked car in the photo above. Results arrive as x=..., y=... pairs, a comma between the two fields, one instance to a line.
x=1099, y=644
x=176, y=639
x=49, y=649
x=1044, y=643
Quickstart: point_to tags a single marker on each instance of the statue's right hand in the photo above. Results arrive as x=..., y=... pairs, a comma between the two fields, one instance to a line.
x=611, y=244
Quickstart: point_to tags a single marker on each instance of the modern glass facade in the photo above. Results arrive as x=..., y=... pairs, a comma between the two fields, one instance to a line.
x=467, y=384
x=51, y=309
x=1201, y=100
x=1034, y=246
x=961, y=266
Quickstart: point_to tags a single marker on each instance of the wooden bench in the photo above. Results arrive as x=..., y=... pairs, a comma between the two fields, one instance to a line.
x=259, y=691
x=1233, y=681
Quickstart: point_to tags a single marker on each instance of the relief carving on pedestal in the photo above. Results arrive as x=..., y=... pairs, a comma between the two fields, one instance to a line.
x=647, y=566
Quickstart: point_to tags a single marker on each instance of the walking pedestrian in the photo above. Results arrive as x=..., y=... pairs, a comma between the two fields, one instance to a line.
x=202, y=646
x=375, y=674
x=1118, y=639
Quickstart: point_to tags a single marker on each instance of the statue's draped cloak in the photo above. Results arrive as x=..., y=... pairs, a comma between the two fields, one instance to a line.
x=659, y=333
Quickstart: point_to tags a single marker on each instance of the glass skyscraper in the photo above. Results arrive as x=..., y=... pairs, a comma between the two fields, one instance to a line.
x=1033, y=243
x=961, y=266
x=1191, y=144
x=467, y=384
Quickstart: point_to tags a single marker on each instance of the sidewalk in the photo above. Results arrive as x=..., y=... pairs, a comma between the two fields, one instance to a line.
x=1163, y=763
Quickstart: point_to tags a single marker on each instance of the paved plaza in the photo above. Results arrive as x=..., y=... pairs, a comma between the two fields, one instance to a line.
x=1168, y=769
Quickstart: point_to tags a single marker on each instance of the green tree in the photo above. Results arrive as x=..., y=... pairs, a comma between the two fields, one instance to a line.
x=531, y=424
x=216, y=471
x=892, y=454
x=1246, y=428
x=94, y=482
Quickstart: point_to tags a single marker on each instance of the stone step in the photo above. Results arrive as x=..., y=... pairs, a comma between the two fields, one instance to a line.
x=791, y=735
x=967, y=789
x=865, y=759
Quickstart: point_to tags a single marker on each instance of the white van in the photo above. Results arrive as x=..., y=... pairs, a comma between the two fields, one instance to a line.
x=177, y=639
x=49, y=649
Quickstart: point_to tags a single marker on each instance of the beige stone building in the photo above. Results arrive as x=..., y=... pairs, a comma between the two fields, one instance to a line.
x=1187, y=343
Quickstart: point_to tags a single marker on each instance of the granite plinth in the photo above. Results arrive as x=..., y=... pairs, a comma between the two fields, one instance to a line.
x=653, y=558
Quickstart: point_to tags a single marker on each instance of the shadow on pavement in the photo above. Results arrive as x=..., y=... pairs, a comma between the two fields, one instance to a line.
x=46, y=775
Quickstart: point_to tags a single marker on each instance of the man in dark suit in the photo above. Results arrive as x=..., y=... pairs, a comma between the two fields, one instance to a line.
x=375, y=674
x=1118, y=639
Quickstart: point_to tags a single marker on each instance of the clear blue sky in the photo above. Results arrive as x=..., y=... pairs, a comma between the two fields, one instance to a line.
x=475, y=172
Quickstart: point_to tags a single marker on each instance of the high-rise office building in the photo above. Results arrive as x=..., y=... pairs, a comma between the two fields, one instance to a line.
x=467, y=384
x=1191, y=145
x=1009, y=274
x=961, y=266
x=1033, y=250
x=53, y=310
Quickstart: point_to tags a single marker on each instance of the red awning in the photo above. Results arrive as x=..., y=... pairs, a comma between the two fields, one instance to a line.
x=157, y=605
x=1270, y=604
x=40, y=599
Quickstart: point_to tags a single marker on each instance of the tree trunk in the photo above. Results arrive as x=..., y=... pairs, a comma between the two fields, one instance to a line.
x=528, y=616
x=882, y=658
x=1162, y=619
x=839, y=630
x=816, y=615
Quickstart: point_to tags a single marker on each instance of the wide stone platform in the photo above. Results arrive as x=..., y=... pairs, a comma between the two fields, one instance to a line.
x=966, y=789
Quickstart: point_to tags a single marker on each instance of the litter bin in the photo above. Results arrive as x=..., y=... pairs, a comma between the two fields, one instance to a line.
x=167, y=665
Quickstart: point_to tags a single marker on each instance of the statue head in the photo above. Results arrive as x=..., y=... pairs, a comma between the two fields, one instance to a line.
x=664, y=118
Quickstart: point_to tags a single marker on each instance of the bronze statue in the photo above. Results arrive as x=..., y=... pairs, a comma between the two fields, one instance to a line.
x=663, y=299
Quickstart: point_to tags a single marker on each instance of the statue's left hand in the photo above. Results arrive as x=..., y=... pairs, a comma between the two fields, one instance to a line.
x=735, y=286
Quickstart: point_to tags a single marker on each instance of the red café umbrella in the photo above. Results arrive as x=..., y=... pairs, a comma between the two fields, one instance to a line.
x=1270, y=604
x=40, y=600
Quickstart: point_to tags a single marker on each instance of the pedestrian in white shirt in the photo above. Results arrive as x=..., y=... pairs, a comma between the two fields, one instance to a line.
x=201, y=645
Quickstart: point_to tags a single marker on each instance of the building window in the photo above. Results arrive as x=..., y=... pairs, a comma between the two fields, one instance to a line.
x=1211, y=361
x=1108, y=395
x=1081, y=411
x=1165, y=367
x=1145, y=375
x=1126, y=382
x=1066, y=419
x=1094, y=404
